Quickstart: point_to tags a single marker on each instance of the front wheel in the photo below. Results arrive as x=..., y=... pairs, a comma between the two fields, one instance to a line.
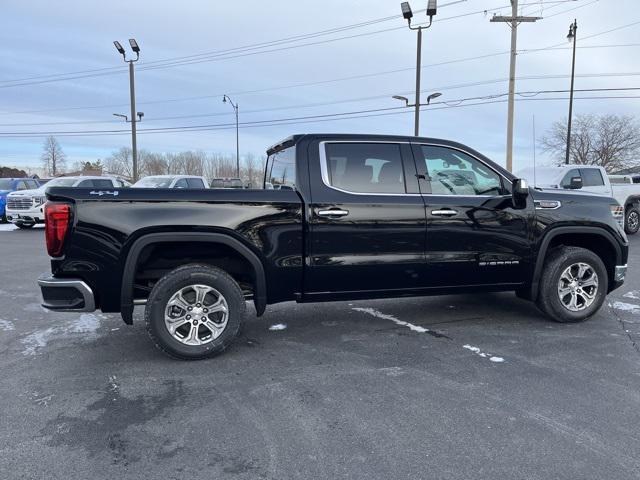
x=573, y=285
x=632, y=221
x=25, y=226
x=195, y=312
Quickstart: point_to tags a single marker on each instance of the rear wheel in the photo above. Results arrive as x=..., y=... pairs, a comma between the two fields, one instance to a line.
x=573, y=285
x=25, y=226
x=195, y=312
x=632, y=221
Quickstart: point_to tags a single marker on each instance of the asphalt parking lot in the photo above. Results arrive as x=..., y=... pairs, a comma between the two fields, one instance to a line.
x=476, y=386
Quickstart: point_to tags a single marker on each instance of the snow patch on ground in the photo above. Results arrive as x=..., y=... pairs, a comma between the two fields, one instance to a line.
x=7, y=227
x=482, y=354
x=278, y=326
x=6, y=325
x=384, y=316
x=635, y=294
x=627, y=307
x=84, y=328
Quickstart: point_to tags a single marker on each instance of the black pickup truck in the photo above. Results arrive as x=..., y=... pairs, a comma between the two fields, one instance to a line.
x=349, y=217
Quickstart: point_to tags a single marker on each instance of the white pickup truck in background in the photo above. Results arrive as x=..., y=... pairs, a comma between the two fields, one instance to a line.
x=592, y=179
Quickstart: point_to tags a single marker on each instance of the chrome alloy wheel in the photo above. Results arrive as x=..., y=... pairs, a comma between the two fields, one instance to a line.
x=632, y=220
x=196, y=315
x=578, y=286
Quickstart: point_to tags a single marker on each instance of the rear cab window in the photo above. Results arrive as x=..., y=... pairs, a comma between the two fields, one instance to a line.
x=591, y=177
x=281, y=169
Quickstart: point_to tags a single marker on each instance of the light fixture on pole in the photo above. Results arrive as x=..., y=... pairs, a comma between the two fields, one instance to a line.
x=226, y=98
x=408, y=15
x=132, y=92
x=407, y=104
x=573, y=31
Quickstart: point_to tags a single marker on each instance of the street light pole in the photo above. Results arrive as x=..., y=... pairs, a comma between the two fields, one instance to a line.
x=132, y=93
x=416, y=128
x=408, y=14
x=226, y=98
x=573, y=30
x=417, y=105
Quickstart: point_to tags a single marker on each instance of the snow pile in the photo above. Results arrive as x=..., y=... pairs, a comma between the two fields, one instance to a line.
x=482, y=354
x=627, y=307
x=84, y=328
x=384, y=316
x=6, y=325
x=278, y=326
x=419, y=329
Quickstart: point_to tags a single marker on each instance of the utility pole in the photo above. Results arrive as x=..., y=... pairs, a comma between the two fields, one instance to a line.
x=514, y=20
x=132, y=93
x=573, y=31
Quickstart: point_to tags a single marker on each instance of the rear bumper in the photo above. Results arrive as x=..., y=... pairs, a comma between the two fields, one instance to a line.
x=619, y=275
x=66, y=294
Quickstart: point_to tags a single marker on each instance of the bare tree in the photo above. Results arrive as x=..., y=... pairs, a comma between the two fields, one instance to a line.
x=120, y=162
x=53, y=158
x=609, y=141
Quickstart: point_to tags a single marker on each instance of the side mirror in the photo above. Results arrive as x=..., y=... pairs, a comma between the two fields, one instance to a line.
x=576, y=183
x=520, y=192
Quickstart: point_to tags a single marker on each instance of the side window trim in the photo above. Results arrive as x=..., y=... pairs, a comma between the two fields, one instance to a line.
x=324, y=169
x=423, y=169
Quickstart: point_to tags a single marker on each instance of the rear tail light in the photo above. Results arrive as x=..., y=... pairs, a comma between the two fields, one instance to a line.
x=618, y=213
x=57, y=217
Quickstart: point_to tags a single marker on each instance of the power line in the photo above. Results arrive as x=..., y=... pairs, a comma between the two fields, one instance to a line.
x=335, y=102
x=237, y=52
x=274, y=122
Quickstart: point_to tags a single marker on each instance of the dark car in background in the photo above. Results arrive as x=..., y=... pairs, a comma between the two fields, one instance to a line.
x=8, y=185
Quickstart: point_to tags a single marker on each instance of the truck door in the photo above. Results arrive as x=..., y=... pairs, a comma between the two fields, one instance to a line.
x=367, y=219
x=474, y=235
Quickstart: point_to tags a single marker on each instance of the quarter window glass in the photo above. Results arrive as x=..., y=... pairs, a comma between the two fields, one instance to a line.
x=195, y=183
x=102, y=183
x=566, y=181
x=453, y=172
x=281, y=169
x=365, y=167
x=591, y=177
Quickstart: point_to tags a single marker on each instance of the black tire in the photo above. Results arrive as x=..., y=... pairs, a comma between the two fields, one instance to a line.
x=548, y=297
x=178, y=279
x=3, y=218
x=632, y=221
x=25, y=226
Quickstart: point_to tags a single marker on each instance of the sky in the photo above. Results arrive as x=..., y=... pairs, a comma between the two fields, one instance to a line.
x=61, y=73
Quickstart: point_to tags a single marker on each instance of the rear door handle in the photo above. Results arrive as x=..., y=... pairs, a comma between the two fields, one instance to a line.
x=446, y=212
x=333, y=212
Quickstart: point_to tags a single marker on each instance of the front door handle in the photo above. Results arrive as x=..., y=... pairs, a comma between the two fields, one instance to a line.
x=333, y=213
x=446, y=212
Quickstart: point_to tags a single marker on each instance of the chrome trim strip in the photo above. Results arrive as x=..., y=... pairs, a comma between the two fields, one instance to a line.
x=79, y=285
x=324, y=172
x=557, y=203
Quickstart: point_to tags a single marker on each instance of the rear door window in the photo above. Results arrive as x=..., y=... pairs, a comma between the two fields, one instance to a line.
x=97, y=183
x=364, y=167
x=591, y=177
x=195, y=183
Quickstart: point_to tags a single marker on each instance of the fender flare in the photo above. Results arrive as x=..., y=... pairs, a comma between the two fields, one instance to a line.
x=546, y=240
x=128, y=274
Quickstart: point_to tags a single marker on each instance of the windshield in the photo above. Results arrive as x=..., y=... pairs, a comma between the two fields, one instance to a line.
x=5, y=184
x=153, y=182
